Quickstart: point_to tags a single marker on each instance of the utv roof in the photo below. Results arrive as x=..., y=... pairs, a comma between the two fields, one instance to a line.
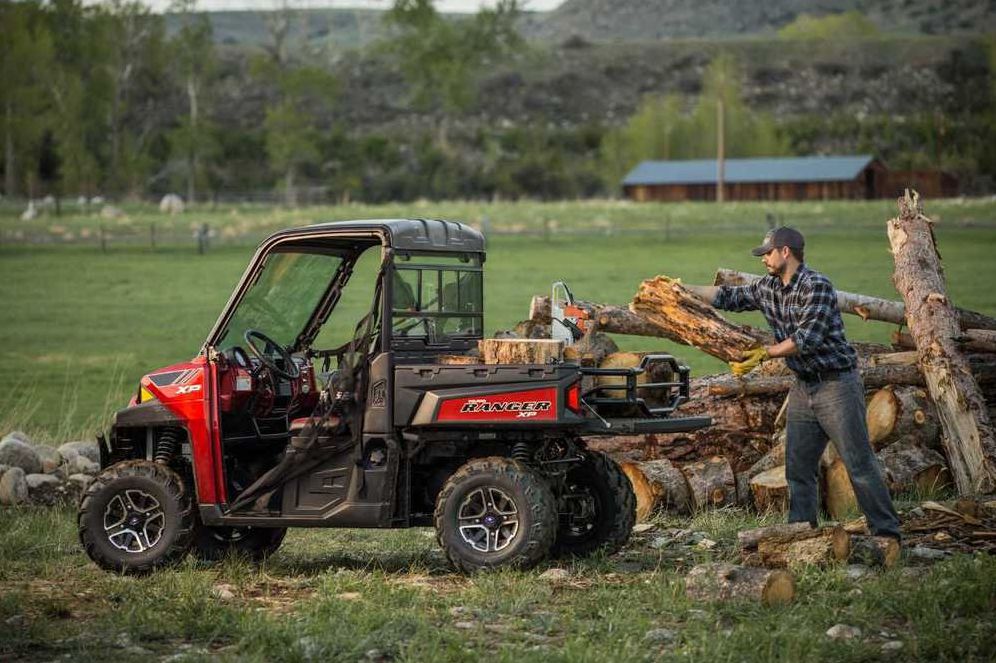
x=401, y=234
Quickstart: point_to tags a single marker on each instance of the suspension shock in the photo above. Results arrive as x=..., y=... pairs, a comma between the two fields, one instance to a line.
x=168, y=444
x=522, y=452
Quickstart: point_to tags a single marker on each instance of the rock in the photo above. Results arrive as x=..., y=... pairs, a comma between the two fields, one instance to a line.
x=932, y=554
x=311, y=648
x=81, y=465
x=13, y=487
x=111, y=212
x=86, y=448
x=459, y=611
x=555, y=574
x=706, y=544
x=18, y=453
x=660, y=635
x=44, y=489
x=376, y=655
x=223, y=591
x=640, y=528
x=466, y=626
x=891, y=646
x=15, y=621
x=17, y=435
x=171, y=204
x=856, y=571
x=843, y=632
x=50, y=458
x=77, y=484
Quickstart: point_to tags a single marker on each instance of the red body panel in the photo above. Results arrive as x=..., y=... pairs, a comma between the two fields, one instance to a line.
x=531, y=405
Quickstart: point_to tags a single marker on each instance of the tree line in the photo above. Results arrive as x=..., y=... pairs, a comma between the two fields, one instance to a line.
x=103, y=99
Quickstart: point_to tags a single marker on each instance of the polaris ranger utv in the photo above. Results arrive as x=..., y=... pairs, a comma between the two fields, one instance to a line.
x=263, y=430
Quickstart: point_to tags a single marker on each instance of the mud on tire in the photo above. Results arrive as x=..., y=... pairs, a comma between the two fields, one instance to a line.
x=135, y=517
x=495, y=512
x=256, y=543
x=597, y=508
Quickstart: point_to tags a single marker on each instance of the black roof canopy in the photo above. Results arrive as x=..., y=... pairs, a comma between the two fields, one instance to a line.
x=400, y=234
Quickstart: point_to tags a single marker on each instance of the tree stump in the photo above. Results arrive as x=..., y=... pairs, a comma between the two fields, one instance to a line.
x=711, y=483
x=968, y=433
x=770, y=490
x=658, y=486
x=880, y=551
x=895, y=412
x=520, y=351
x=720, y=581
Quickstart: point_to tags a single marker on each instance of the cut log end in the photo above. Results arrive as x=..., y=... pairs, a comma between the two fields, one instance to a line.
x=724, y=582
x=880, y=551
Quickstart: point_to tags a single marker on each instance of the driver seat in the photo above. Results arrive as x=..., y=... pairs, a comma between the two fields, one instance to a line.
x=297, y=426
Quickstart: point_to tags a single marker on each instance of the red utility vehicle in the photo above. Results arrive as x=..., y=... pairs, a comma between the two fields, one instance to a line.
x=267, y=428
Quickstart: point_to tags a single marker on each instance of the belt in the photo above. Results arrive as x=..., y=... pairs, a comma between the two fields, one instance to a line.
x=824, y=376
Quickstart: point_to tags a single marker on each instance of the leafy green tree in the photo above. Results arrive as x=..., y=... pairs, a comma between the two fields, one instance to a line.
x=441, y=58
x=832, y=27
x=26, y=52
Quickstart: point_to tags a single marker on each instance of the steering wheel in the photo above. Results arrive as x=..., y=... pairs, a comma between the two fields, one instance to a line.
x=292, y=372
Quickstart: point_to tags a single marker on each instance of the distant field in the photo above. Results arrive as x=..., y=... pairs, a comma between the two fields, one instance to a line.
x=79, y=327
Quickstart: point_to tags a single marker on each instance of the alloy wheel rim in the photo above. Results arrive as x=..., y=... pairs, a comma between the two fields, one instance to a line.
x=134, y=521
x=488, y=520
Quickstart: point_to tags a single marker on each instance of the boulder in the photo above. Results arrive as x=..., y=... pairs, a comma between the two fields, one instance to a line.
x=76, y=485
x=44, y=489
x=15, y=452
x=171, y=204
x=18, y=435
x=80, y=465
x=50, y=458
x=86, y=448
x=13, y=487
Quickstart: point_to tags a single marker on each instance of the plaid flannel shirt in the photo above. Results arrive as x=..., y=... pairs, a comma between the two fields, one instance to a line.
x=805, y=310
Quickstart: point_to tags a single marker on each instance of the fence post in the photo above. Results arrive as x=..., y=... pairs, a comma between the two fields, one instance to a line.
x=546, y=229
x=103, y=240
x=152, y=235
x=202, y=239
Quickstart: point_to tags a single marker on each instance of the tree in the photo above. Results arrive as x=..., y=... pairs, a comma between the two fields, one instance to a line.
x=441, y=58
x=193, y=54
x=25, y=61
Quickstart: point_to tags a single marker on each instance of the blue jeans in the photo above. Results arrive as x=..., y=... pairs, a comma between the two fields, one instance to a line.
x=834, y=410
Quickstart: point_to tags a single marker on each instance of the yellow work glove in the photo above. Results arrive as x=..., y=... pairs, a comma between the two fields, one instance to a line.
x=749, y=361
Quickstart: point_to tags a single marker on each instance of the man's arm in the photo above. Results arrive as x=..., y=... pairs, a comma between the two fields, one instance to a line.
x=785, y=348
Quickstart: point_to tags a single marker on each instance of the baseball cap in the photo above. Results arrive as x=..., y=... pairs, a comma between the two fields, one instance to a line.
x=779, y=237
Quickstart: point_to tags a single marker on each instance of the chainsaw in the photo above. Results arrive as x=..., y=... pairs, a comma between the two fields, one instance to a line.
x=568, y=321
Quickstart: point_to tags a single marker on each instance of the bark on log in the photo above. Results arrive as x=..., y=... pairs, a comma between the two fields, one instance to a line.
x=720, y=581
x=747, y=540
x=520, y=351
x=818, y=547
x=978, y=340
x=591, y=350
x=968, y=433
x=612, y=319
x=894, y=412
x=879, y=375
x=711, y=483
x=770, y=490
x=880, y=551
x=458, y=360
x=686, y=319
x=909, y=465
x=864, y=306
x=659, y=486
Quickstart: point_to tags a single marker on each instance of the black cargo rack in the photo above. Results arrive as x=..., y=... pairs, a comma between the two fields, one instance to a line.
x=594, y=397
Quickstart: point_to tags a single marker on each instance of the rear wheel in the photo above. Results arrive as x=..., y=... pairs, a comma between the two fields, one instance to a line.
x=597, y=507
x=495, y=512
x=257, y=543
x=135, y=517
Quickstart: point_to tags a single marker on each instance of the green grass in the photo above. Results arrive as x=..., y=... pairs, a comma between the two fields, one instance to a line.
x=335, y=595
x=78, y=327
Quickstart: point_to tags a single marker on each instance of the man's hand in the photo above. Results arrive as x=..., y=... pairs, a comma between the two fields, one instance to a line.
x=749, y=361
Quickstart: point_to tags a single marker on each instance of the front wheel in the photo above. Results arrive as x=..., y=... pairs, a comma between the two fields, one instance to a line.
x=135, y=517
x=597, y=507
x=495, y=512
x=256, y=543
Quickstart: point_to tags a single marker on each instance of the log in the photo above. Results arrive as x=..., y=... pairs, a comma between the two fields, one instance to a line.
x=894, y=412
x=658, y=372
x=910, y=466
x=968, y=433
x=769, y=490
x=612, y=319
x=458, y=360
x=658, y=486
x=720, y=581
x=868, y=308
x=711, y=483
x=748, y=539
x=880, y=551
x=595, y=346
x=520, y=351
x=978, y=340
x=838, y=494
x=818, y=547
x=686, y=319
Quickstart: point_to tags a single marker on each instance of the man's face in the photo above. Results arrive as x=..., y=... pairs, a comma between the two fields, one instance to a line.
x=774, y=261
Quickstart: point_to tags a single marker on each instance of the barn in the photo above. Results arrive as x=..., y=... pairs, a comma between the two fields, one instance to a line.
x=769, y=178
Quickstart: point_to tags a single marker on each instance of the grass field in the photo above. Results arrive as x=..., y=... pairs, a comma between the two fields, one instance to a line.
x=79, y=327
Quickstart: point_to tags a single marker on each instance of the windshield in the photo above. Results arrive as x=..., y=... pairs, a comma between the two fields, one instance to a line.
x=282, y=299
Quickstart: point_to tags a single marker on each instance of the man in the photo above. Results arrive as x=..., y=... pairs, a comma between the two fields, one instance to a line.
x=827, y=400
